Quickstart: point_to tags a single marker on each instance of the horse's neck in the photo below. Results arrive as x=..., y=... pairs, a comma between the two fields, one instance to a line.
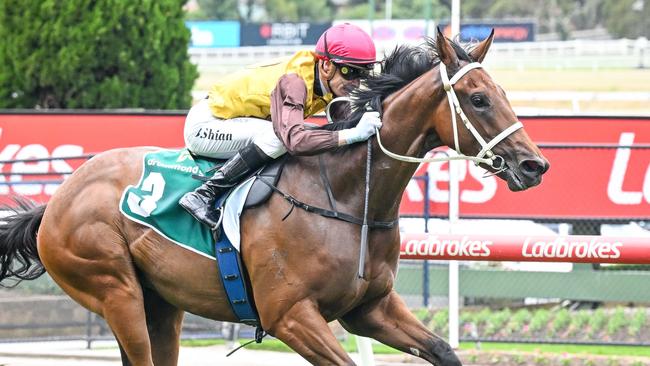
x=406, y=114
x=403, y=133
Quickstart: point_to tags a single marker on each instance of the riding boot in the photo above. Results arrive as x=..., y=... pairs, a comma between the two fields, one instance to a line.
x=200, y=202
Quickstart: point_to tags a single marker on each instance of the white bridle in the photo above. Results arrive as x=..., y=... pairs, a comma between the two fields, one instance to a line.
x=486, y=155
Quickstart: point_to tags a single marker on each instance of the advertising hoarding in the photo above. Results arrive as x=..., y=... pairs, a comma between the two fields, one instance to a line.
x=503, y=32
x=281, y=34
x=212, y=34
x=581, y=183
x=388, y=33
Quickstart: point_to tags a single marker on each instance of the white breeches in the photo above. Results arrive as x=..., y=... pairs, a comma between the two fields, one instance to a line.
x=209, y=136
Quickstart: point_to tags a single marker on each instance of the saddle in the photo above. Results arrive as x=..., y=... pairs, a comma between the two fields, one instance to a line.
x=260, y=191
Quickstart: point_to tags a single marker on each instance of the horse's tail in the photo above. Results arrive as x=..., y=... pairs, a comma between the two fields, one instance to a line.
x=18, y=253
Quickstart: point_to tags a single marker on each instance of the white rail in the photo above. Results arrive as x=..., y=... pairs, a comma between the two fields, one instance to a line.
x=593, y=54
x=575, y=99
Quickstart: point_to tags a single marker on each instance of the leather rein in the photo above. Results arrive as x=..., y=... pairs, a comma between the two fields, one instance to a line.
x=332, y=212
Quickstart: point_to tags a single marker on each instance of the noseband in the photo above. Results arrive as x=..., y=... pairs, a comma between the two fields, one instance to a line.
x=496, y=161
x=486, y=155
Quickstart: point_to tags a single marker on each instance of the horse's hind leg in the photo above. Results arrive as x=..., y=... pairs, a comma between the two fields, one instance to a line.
x=389, y=321
x=164, y=327
x=93, y=265
x=122, y=305
x=164, y=322
x=305, y=330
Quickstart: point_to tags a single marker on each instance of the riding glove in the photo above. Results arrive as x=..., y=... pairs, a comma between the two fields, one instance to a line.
x=366, y=127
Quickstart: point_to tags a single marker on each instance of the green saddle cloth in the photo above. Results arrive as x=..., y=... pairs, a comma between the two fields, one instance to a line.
x=153, y=202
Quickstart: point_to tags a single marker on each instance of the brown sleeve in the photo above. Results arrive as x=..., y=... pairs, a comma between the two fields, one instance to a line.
x=287, y=113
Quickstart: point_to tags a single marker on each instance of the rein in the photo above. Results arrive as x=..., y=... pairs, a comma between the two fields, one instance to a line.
x=329, y=213
x=364, y=227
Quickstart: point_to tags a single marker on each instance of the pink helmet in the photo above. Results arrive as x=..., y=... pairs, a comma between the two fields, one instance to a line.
x=346, y=43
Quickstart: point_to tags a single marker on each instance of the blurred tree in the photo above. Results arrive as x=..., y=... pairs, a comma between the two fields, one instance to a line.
x=359, y=11
x=513, y=8
x=94, y=54
x=623, y=18
x=555, y=16
x=588, y=14
x=249, y=6
x=402, y=9
x=415, y=9
x=298, y=10
x=540, y=10
x=475, y=9
x=217, y=10
x=357, y=2
x=271, y=10
x=628, y=18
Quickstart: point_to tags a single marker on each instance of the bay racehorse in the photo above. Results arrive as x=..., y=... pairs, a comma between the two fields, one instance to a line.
x=302, y=270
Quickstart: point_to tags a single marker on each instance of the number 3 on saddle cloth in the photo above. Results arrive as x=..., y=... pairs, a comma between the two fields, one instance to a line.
x=153, y=202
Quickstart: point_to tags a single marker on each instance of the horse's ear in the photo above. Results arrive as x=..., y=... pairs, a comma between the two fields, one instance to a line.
x=481, y=49
x=445, y=50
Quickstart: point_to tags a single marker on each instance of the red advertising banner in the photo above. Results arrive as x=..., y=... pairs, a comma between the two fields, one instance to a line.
x=581, y=183
x=39, y=136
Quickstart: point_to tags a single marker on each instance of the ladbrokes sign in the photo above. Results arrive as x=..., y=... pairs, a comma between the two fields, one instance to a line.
x=587, y=249
x=592, y=247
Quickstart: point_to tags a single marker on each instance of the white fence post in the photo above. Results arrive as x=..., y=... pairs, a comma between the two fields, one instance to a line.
x=454, y=292
x=364, y=346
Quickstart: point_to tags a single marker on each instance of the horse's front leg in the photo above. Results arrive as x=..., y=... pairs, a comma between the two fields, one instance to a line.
x=305, y=330
x=389, y=321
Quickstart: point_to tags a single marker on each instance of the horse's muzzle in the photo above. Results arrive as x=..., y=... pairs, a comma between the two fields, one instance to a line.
x=533, y=169
x=528, y=173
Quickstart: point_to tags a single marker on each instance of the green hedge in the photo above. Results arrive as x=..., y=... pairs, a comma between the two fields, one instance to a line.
x=94, y=54
x=619, y=324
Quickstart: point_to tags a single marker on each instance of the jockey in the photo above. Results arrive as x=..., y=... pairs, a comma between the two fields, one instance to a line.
x=257, y=115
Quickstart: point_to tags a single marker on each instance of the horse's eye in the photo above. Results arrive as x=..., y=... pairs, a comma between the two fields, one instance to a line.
x=479, y=101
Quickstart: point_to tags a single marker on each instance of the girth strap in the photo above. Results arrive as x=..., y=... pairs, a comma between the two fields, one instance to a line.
x=332, y=214
x=326, y=182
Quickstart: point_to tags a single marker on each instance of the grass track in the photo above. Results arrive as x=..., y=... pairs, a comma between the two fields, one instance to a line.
x=632, y=80
x=563, y=349
x=350, y=346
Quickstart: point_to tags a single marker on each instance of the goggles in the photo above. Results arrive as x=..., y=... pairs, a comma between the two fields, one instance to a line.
x=350, y=72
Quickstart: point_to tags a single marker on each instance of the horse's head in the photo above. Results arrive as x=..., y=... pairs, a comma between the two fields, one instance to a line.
x=486, y=125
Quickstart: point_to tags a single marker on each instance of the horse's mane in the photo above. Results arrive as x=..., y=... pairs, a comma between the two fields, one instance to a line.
x=403, y=65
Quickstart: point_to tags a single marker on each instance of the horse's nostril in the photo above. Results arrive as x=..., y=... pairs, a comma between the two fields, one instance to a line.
x=530, y=165
x=533, y=167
